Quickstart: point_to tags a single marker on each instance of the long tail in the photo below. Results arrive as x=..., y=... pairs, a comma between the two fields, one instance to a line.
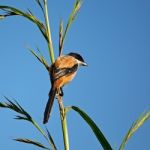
x=49, y=105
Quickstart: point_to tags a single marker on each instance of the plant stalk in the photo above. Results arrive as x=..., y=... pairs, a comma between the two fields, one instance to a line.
x=65, y=132
x=50, y=45
x=63, y=123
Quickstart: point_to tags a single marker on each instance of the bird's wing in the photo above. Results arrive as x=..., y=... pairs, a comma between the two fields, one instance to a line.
x=60, y=72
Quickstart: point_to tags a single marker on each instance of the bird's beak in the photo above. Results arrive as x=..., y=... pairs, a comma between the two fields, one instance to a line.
x=84, y=64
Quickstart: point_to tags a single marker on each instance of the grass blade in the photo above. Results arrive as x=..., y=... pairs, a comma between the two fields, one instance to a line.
x=10, y=11
x=76, y=8
x=136, y=125
x=28, y=141
x=101, y=138
x=60, y=38
x=40, y=58
x=39, y=3
x=17, y=108
x=51, y=140
x=23, y=115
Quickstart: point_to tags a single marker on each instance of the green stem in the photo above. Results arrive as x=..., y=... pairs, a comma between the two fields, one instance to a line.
x=65, y=132
x=50, y=45
x=39, y=129
x=63, y=123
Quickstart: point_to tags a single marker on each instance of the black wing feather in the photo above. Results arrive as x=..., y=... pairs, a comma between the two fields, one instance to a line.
x=64, y=71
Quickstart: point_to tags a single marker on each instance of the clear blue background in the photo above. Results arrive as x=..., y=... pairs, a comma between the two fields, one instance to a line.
x=114, y=38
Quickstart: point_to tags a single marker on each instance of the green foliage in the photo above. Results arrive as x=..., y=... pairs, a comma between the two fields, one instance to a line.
x=136, y=125
x=40, y=4
x=28, y=141
x=51, y=140
x=23, y=115
x=76, y=8
x=60, y=37
x=40, y=58
x=11, y=11
x=100, y=136
x=49, y=42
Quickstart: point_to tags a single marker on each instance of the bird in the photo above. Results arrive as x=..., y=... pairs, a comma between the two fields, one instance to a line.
x=62, y=71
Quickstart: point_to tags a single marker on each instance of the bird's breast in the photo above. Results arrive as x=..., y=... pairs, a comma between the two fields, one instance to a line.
x=64, y=80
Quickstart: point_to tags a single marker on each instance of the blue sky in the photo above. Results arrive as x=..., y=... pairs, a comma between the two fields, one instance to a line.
x=113, y=37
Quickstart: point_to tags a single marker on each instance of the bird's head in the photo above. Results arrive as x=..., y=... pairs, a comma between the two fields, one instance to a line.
x=79, y=58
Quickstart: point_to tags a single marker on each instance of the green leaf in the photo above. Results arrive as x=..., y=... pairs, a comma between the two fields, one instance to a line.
x=51, y=140
x=10, y=11
x=40, y=58
x=76, y=8
x=40, y=4
x=101, y=138
x=23, y=115
x=28, y=141
x=136, y=125
x=17, y=108
x=60, y=38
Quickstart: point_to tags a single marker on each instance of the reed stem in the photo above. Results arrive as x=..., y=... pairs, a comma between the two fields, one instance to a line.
x=63, y=123
x=50, y=45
